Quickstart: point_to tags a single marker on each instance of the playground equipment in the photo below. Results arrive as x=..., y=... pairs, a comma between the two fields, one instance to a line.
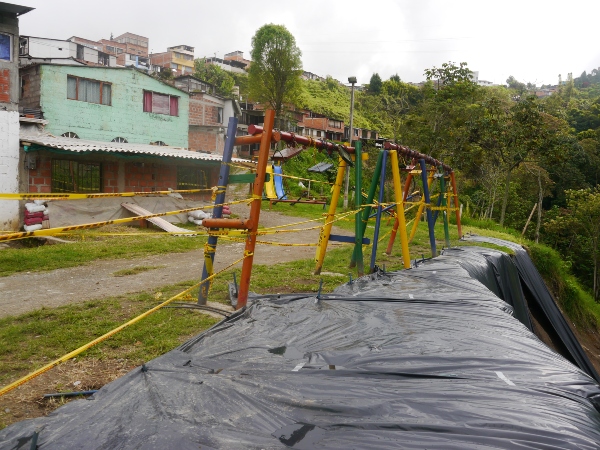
x=348, y=156
x=269, y=184
x=278, y=171
x=265, y=136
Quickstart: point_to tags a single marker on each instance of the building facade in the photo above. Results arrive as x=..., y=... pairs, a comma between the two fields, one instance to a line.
x=11, y=162
x=106, y=104
x=33, y=50
x=179, y=59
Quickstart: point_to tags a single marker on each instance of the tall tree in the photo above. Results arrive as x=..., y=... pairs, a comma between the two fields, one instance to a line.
x=275, y=73
x=375, y=84
x=582, y=222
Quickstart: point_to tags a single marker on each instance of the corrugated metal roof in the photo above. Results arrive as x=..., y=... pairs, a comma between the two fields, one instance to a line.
x=83, y=145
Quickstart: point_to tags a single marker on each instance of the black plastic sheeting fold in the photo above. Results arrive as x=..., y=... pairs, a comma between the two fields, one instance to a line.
x=534, y=282
x=427, y=358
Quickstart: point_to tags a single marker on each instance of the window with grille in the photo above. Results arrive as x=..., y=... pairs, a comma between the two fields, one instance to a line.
x=74, y=176
x=161, y=103
x=191, y=178
x=90, y=91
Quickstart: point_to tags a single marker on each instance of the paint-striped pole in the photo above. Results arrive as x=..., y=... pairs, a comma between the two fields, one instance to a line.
x=211, y=246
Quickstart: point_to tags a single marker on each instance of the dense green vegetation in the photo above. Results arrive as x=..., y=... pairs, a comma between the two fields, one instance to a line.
x=512, y=151
x=519, y=156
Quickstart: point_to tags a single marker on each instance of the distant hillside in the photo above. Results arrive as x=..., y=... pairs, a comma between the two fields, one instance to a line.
x=332, y=100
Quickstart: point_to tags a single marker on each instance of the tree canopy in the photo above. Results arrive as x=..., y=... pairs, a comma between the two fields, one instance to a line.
x=213, y=74
x=275, y=73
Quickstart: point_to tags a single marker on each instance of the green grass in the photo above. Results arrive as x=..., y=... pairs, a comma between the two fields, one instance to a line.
x=31, y=340
x=134, y=270
x=91, y=245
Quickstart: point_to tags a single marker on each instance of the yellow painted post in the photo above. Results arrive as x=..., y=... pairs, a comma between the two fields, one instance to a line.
x=326, y=230
x=413, y=231
x=400, y=208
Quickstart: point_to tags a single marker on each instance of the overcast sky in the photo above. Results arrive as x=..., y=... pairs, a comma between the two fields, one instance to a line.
x=530, y=39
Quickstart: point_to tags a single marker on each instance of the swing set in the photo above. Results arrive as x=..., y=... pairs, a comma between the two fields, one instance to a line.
x=447, y=199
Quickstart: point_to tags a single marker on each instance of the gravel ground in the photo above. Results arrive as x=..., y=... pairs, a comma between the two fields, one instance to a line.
x=25, y=292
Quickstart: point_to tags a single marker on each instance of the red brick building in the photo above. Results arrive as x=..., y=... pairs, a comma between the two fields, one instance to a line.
x=208, y=116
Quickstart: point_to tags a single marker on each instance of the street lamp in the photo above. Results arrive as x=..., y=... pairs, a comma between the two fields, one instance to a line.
x=352, y=81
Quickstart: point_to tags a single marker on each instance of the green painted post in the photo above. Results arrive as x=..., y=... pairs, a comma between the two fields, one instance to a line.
x=367, y=212
x=360, y=265
x=444, y=204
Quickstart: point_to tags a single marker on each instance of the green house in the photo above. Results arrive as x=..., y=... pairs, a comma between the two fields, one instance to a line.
x=108, y=104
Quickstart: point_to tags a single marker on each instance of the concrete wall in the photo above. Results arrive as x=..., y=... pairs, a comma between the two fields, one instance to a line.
x=124, y=118
x=9, y=126
x=51, y=48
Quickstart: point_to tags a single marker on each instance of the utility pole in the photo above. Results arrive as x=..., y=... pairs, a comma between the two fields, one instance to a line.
x=352, y=81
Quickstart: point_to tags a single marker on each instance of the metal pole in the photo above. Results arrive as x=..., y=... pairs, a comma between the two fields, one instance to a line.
x=351, y=135
x=379, y=210
x=211, y=246
x=261, y=170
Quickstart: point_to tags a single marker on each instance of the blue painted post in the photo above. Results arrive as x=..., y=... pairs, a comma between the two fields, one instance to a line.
x=379, y=211
x=430, y=222
x=211, y=246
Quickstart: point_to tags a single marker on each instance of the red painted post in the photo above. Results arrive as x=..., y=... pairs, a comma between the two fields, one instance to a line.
x=261, y=170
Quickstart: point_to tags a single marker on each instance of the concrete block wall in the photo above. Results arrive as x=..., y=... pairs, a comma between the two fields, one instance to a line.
x=124, y=118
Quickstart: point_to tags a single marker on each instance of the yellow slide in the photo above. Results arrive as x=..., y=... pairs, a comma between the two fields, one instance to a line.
x=270, y=185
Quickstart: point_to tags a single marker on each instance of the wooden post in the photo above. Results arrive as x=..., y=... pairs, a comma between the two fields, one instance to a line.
x=326, y=230
x=400, y=208
x=397, y=223
x=261, y=170
x=379, y=210
x=360, y=264
x=211, y=245
x=456, y=203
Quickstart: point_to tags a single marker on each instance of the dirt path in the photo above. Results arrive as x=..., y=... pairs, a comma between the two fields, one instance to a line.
x=29, y=291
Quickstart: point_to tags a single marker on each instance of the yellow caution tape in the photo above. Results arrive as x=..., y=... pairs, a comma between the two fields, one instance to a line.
x=61, y=196
x=53, y=231
x=112, y=332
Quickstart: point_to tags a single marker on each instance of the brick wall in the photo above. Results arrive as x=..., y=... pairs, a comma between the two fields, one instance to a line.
x=4, y=86
x=206, y=140
x=204, y=110
x=161, y=59
x=40, y=179
x=139, y=176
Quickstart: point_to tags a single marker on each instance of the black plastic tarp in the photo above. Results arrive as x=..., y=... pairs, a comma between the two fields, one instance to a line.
x=534, y=283
x=426, y=358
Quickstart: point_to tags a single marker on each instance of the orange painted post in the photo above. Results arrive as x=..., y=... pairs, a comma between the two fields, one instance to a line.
x=456, y=204
x=390, y=246
x=261, y=170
